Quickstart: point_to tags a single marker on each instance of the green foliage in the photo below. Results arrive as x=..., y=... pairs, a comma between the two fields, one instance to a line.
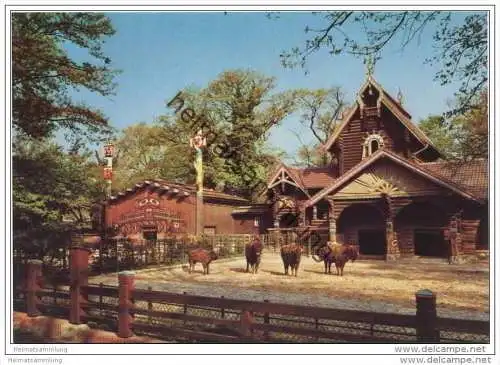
x=442, y=134
x=320, y=111
x=461, y=47
x=53, y=191
x=235, y=112
x=52, y=194
x=463, y=137
x=43, y=72
x=144, y=154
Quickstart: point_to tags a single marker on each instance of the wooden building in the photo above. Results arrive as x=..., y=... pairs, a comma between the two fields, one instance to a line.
x=157, y=209
x=387, y=188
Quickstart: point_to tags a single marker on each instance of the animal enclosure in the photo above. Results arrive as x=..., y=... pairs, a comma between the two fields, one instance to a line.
x=461, y=287
x=129, y=310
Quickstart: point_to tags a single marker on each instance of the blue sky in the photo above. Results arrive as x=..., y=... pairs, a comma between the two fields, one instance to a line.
x=162, y=53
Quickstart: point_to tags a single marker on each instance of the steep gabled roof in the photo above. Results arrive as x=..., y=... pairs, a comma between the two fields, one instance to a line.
x=417, y=168
x=305, y=178
x=403, y=116
x=295, y=179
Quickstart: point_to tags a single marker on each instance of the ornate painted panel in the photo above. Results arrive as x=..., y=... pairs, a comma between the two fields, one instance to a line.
x=389, y=178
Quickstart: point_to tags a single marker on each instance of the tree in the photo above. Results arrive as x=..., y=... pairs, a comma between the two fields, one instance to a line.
x=442, y=134
x=320, y=111
x=43, y=72
x=463, y=137
x=144, y=156
x=53, y=191
x=472, y=135
x=52, y=195
x=235, y=112
x=461, y=45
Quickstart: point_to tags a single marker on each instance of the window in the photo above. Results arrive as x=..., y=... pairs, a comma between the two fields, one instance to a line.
x=256, y=222
x=372, y=144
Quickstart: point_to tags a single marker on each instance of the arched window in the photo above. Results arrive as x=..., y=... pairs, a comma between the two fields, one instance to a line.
x=372, y=144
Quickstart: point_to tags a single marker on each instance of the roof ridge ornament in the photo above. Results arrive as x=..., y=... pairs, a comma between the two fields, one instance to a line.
x=400, y=97
x=370, y=65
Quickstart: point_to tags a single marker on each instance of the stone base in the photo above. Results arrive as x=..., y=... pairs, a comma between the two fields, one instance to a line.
x=392, y=256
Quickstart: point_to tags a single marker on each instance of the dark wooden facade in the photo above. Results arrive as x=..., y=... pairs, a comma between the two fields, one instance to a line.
x=387, y=188
x=158, y=209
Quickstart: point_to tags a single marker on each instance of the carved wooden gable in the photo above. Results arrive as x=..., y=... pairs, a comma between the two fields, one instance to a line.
x=390, y=178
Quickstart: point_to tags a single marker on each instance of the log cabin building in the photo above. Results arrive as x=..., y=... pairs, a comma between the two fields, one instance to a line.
x=387, y=188
x=156, y=209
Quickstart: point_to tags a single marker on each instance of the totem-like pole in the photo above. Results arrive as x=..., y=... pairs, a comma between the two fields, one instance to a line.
x=109, y=149
x=198, y=142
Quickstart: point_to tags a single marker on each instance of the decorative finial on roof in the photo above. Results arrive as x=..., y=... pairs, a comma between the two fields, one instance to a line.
x=370, y=65
x=400, y=97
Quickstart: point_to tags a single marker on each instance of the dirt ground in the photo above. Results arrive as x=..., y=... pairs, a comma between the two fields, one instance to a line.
x=458, y=287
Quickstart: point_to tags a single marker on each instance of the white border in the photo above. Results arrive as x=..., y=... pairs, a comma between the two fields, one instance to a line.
x=129, y=6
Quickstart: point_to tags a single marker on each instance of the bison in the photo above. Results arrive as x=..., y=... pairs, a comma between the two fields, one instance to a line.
x=253, y=252
x=336, y=253
x=291, y=257
x=203, y=256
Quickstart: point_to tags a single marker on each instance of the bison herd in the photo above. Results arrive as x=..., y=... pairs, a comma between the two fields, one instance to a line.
x=329, y=253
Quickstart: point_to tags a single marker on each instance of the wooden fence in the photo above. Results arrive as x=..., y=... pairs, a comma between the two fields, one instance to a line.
x=116, y=255
x=192, y=318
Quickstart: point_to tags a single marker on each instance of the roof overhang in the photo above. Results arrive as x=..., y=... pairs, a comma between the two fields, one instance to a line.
x=380, y=154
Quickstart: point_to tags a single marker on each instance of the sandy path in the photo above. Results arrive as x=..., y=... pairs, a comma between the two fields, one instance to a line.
x=462, y=290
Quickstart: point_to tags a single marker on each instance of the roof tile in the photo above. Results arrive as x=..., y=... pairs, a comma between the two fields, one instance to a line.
x=471, y=176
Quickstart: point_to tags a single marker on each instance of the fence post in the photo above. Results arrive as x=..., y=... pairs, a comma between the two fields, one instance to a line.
x=222, y=313
x=150, y=306
x=246, y=320
x=126, y=287
x=266, y=321
x=426, y=318
x=33, y=275
x=79, y=271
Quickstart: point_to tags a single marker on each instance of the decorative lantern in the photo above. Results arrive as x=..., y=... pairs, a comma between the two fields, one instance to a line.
x=109, y=149
x=108, y=173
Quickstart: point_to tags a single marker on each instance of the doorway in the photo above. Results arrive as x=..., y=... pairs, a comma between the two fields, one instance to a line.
x=372, y=242
x=430, y=243
x=150, y=234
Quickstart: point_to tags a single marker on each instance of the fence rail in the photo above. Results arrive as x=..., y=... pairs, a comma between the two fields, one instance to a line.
x=187, y=317
x=114, y=255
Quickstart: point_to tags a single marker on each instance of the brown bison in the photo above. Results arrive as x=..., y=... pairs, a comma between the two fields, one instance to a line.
x=291, y=257
x=253, y=252
x=336, y=253
x=203, y=256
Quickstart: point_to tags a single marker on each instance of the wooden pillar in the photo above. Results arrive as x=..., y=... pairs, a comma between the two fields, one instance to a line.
x=426, y=317
x=392, y=245
x=455, y=239
x=332, y=222
x=33, y=276
x=79, y=273
x=126, y=286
